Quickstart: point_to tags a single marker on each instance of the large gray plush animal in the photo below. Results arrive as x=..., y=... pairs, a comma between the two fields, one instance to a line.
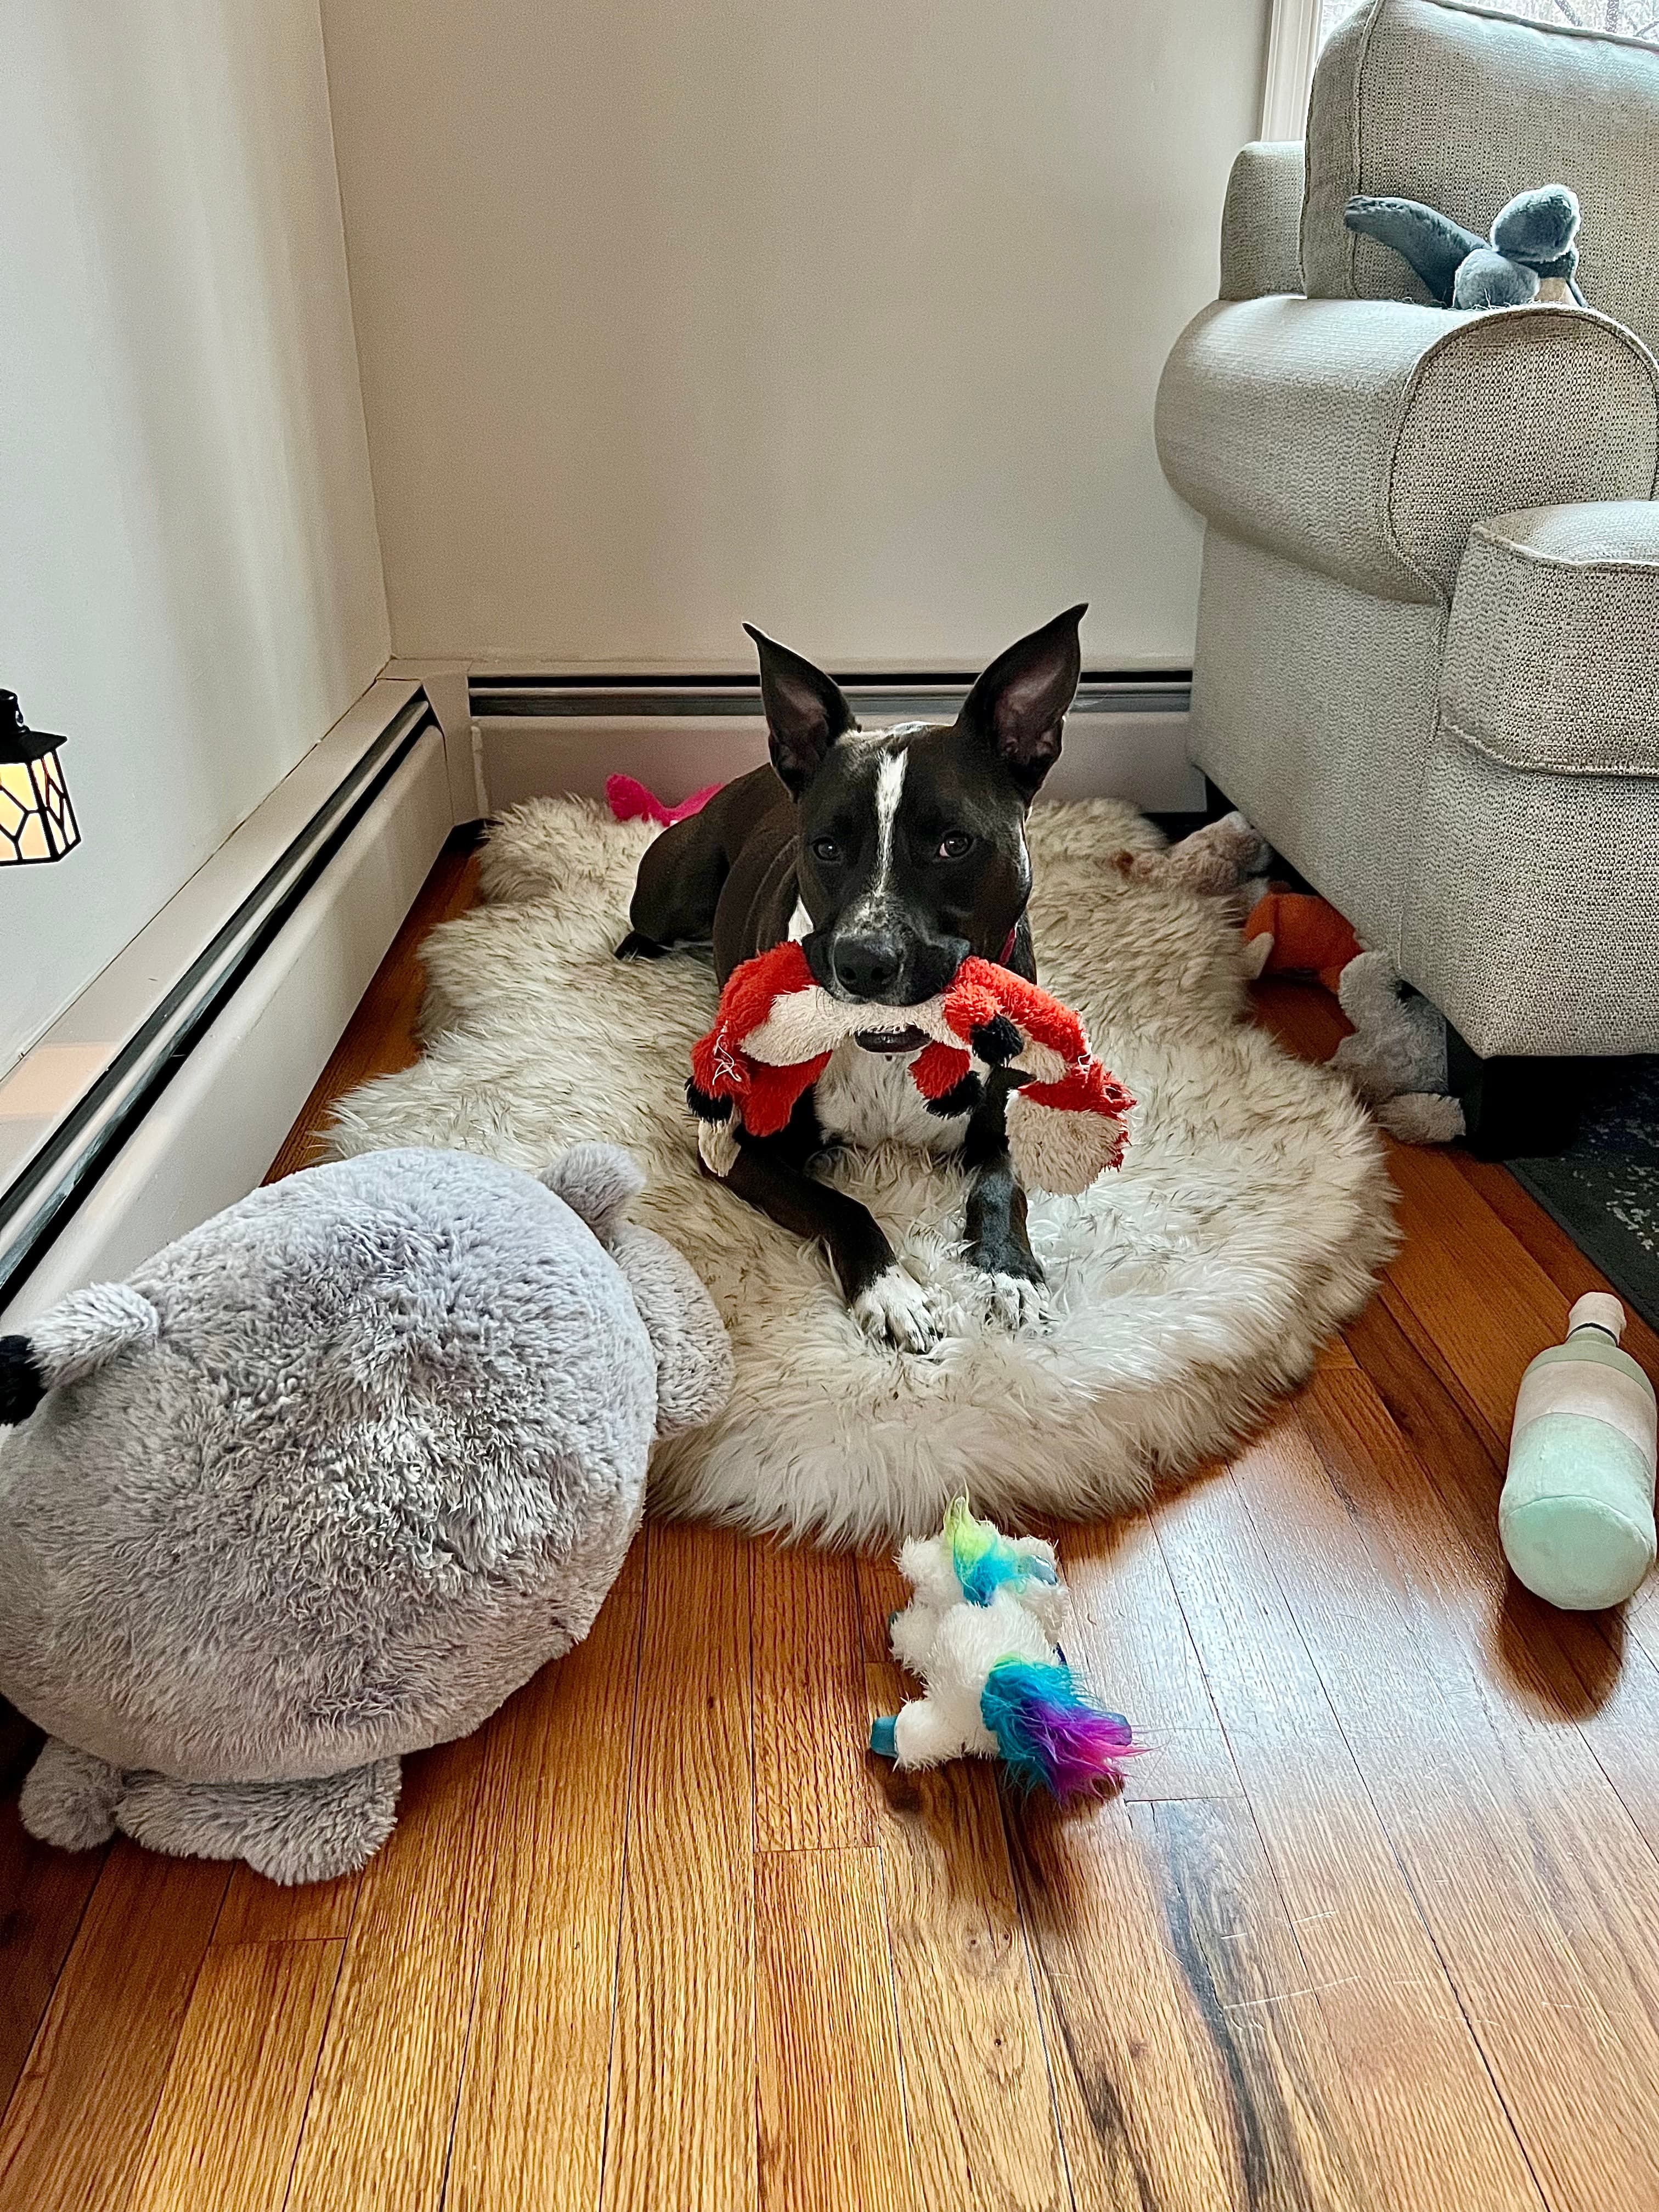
x=323, y=1482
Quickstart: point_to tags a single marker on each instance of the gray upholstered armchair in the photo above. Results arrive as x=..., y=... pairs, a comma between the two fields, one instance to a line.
x=1428, y=637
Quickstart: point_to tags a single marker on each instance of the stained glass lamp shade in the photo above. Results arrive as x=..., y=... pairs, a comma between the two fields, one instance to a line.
x=37, y=822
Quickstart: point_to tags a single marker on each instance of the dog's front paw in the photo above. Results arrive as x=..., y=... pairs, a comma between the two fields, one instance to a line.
x=897, y=1309
x=1012, y=1287
x=1014, y=1302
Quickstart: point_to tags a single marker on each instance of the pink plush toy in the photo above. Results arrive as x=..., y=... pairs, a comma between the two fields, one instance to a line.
x=630, y=801
x=778, y=1027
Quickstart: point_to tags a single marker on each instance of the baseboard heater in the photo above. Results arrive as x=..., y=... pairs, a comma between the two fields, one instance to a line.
x=43, y=1198
x=935, y=697
x=1126, y=734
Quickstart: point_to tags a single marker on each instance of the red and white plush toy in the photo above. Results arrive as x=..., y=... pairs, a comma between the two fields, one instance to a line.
x=778, y=1027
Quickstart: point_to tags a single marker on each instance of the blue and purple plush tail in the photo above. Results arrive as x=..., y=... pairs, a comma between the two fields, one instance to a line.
x=1050, y=1733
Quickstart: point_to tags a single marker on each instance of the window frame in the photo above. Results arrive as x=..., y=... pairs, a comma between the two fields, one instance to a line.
x=1292, y=49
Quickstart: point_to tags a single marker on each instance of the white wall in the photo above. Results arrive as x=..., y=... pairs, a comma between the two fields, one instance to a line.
x=842, y=315
x=190, y=577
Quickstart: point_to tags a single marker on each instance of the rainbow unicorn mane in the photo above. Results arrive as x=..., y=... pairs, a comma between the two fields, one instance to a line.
x=1050, y=1733
x=984, y=1559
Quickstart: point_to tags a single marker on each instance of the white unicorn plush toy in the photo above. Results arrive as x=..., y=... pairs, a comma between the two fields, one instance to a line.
x=983, y=1631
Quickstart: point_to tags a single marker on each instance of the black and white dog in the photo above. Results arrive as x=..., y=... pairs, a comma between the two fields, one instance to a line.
x=892, y=854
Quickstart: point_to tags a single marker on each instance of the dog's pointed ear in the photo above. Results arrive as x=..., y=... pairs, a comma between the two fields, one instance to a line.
x=1019, y=704
x=806, y=712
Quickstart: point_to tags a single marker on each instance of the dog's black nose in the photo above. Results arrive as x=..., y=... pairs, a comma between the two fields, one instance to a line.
x=867, y=967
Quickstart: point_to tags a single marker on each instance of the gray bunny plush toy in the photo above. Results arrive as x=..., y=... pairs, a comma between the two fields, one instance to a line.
x=323, y=1483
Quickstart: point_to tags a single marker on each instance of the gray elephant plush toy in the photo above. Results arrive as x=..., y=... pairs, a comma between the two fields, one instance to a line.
x=1532, y=253
x=323, y=1483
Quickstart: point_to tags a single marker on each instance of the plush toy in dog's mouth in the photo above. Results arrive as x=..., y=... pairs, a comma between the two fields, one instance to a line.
x=909, y=1039
x=779, y=1029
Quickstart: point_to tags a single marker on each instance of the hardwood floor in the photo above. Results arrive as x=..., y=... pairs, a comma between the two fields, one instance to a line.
x=1376, y=1924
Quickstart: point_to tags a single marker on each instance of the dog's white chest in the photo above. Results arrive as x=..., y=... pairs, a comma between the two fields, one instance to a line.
x=868, y=1099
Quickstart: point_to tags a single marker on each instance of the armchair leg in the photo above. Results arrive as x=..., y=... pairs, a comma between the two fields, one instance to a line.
x=1515, y=1108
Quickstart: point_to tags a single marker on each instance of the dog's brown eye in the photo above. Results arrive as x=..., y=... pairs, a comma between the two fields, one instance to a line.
x=827, y=850
x=954, y=844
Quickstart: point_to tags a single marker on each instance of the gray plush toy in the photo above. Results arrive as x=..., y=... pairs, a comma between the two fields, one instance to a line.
x=1396, y=1057
x=1533, y=254
x=323, y=1483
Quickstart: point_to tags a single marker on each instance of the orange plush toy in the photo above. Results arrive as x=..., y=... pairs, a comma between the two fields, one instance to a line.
x=1304, y=936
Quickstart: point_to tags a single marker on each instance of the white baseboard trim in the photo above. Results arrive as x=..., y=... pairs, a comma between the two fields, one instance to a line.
x=215, y=1127
x=1141, y=757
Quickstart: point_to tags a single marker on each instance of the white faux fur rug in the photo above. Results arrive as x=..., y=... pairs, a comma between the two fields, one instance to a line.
x=1187, y=1291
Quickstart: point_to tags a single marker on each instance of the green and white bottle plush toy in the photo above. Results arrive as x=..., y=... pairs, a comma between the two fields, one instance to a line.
x=1577, y=1513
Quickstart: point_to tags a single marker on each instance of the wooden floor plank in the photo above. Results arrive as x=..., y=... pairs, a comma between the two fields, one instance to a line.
x=882, y=1591
x=1430, y=2126
x=831, y=2114
x=1508, y=1668
x=1130, y=1638
x=980, y=2106
x=73, y=2131
x=1408, y=1325
x=1301, y=1015
x=260, y=1911
x=228, y=2122
x=810, y=1786
x=530, y=2130
x=43, y=1895
x=1476, y=1824
x=377, y=2128
x=1486, y=1305
x=1550, y=1245
x=682, y=2108
x=1191, y=2073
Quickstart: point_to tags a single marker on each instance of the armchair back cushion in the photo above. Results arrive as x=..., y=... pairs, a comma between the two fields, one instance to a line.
x=1463, y=109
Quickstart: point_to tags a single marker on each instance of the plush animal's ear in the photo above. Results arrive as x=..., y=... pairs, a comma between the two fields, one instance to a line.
x=599, y=1182
x=1019, y=704
x=76, y=1337
x=806, y=712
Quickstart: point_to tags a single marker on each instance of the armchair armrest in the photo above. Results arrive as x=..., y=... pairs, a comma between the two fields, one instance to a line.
x=1532, y=906
x=1261, y=221
x=1551, y=659
x=1364, y=437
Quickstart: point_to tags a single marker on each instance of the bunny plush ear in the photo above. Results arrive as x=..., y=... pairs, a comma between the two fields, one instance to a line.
x=598, y=1181
x=80, y=1335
